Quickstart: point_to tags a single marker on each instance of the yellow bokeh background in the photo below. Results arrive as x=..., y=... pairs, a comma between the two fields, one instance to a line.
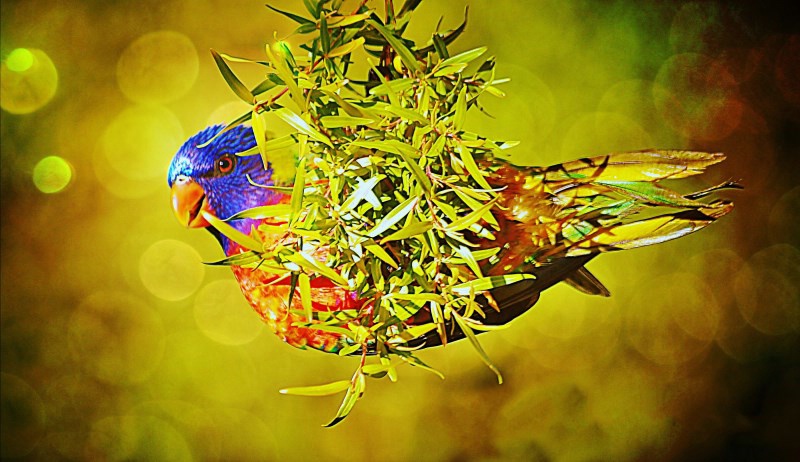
x=118, y=344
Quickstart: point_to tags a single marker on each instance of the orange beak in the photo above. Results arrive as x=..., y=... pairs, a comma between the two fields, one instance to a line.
x=188, y=200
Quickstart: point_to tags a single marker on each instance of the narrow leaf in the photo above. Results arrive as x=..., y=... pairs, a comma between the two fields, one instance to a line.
x=405, y=54
x=474, y=340
x=468, y=220
x=260, y=133
x=294, y=17
x=318, y=390
x=417, y=171
x=409, y=231
x=465, y=253
x=232, y=233
x=379, y=252
x=396, y=86
x=344, y=121
x=491, y=282
x=299, y=124
x=347, y=48
x=265, y=211
x=354, y=392
x=460, y=114
x=298, y=189
x=304, y=283
x=464, y=57
x=230, y=78
x=391, y=218
x=472, y=167
x=342, y=21
x=240, y=259
x=364, y=188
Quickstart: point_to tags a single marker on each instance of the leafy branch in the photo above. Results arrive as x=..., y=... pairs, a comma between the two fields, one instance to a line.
x=390, y=199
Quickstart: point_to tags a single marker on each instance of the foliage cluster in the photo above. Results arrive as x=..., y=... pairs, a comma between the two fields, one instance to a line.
x=389, y=186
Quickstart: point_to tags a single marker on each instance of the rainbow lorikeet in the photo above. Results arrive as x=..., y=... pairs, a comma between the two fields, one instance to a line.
x=552, y=221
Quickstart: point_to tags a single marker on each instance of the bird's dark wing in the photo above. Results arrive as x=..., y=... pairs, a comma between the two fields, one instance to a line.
x=515, y=299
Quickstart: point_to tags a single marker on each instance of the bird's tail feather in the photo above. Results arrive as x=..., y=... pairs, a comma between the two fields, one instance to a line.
x=615, y=202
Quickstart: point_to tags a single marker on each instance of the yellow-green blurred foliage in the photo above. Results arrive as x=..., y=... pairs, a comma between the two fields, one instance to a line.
x=118, y=344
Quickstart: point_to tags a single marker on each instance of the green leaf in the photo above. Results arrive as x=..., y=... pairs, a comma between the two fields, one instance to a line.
x=395, y=86
x=495, y=91
x=240, y=259
x=414, y=361
x=232, y=233
x=364, y=188
x=416, y=331
x=354, y=393
x=264, y=211
x=391, y=218
x=379, y=252
x=406, y=56
x=230, y=78
x=436, y=147
x=299, y=124
x=309, y=262
x=263, y=87
x=474, y=340
x=298, y=189
x=409, y=231
x=348, y=350
x=342, y=21
x=440, y=46
x=417, y=171
x=465, y=253
x=286, y=75
x=403, y=113
x=313, y=7
x=393, y=98
x=318, y=390
x=282, y=142
x=294, y=17
x=472, y=167
x=375, y=369
x=491, y=282
x=304, y=283
x=347, y=48
x=471, y=218
x=259, y=126
x=460, y=114
x=324, y=36
x=344, y=121
x=464, y=57
x=393, y=146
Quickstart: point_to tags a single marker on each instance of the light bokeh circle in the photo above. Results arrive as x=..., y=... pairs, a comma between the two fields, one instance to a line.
x=28, y=81
x=158, y=67
x=171, y=270
x=52, y=174
x=116, y=337
x=140, y=141
x=224, y=316
x=135, y=437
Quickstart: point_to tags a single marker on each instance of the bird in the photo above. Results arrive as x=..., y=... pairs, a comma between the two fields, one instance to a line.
x=552, y=221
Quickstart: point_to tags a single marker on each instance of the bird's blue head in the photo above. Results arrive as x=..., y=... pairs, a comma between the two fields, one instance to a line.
x=214, y=179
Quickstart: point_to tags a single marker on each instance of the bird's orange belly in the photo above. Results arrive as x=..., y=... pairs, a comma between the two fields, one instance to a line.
x=270, y=299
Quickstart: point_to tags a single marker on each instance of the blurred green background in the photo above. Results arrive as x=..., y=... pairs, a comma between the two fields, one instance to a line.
x=118, y=344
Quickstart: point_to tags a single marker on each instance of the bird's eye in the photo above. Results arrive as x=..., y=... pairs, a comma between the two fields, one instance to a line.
x=225, y=164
